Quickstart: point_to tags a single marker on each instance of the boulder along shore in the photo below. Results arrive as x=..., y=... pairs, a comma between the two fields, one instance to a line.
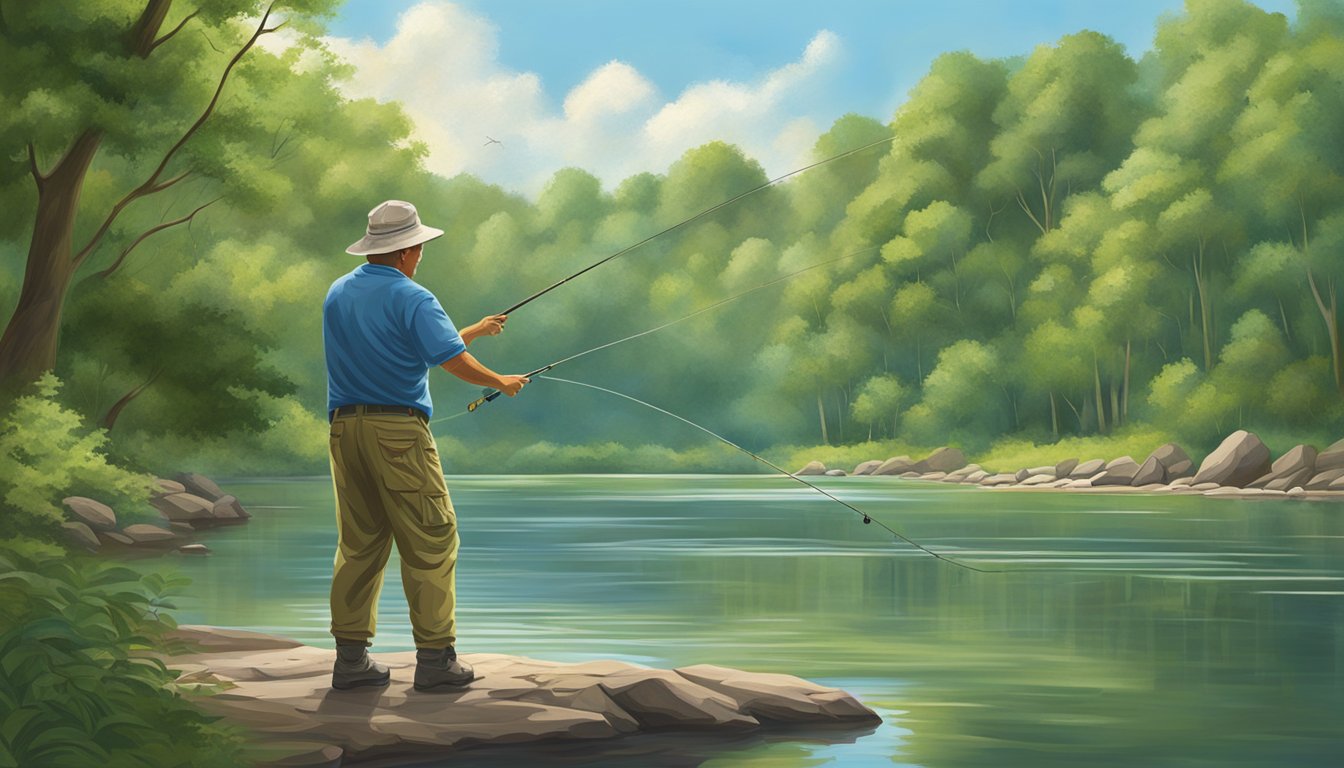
x=1240, y=467
x=279, y=690
x=181, y=508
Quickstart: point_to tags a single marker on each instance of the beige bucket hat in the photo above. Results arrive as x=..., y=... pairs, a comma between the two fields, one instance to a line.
x=393, y=225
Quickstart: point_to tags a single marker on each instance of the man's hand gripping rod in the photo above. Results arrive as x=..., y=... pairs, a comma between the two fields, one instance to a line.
x=490, y=393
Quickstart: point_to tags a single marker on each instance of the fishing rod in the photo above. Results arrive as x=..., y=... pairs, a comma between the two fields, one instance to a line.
x=694, y=218
x=489, y=393
x=867, y=519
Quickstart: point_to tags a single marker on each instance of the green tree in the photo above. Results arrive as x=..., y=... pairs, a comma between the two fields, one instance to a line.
x=133, y=83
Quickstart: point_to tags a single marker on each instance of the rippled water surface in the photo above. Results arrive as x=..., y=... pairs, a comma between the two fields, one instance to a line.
x=1128, y=631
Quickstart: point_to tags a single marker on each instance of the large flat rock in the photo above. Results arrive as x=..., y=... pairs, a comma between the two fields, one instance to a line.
x=280, y=690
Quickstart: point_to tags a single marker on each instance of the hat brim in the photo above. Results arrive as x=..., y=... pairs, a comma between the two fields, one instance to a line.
x=374, y=244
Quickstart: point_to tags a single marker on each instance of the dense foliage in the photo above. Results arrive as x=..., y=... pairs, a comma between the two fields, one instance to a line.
x=1071, y=243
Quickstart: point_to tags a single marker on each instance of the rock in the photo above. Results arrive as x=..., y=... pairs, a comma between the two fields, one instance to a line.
x=199, y=485
x=227, y=508
x=81, y=535
x=282, y=691
x=959, y=475
x=194, y=549
x=976, y=476
x=941, y=460
x=95, y=514
x=866, y=468
x=296, y=754
x=1150, y=472
x=1293, y=468
x=1119, y=471
x=1331, y=458
x=169, y=486
x=1174, y=461
x=144, y=533
x=933, y=476
x=1063, y=468
x=894, y=466
x=812, y=468
x=1039, y=479
x=1182, y=482
x=832, y=473
x=115, y=537
x=1204, y=486
x=184, y=507
x=1021, y=475
x=1087, y=469
x=1240, y=459
x=909, y=475
x=1003, y=478
x=1046, y=470
x=1322, y=480
x=1085, y=482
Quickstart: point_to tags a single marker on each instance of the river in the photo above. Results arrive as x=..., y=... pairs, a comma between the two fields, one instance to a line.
x=1138, y=631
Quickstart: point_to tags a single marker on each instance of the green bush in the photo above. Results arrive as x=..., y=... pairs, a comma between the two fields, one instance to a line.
x=78, y=686
x=78, y=683
x=46, y=454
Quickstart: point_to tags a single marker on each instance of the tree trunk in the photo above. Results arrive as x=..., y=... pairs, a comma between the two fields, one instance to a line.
x=28, y=346
x=1205, y=313
x=1101, y=404
x=1054, y=416
x=1124, y=404
x=1330, y=315
x=821, y=413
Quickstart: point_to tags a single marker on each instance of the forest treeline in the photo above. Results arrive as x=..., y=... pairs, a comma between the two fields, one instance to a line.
x=1071, y=242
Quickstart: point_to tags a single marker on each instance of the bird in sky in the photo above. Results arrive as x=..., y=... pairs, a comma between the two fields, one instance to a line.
x=492, y=141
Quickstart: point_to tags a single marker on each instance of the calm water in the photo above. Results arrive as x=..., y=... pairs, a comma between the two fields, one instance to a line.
x=1148, y=631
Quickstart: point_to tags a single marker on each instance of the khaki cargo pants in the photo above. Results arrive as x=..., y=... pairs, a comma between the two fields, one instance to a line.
x=389, y=487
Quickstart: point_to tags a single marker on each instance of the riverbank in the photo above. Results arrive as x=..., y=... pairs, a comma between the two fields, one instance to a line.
x=1239, y=467
x=279, y=690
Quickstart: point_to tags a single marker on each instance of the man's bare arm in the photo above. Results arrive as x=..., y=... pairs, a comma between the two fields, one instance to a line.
x=469, y=369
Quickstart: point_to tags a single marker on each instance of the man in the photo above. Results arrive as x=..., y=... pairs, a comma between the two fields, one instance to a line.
x=382, y=333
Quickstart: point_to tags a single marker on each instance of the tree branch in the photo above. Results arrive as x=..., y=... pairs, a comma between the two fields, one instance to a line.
x=173, y=31
x=1022, y=201
x=141, y=36
x=38, y=176
x=160, y=187
x=106, y=273
x=151, y=184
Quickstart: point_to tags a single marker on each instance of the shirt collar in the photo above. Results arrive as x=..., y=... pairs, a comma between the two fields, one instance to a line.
x=379, y=269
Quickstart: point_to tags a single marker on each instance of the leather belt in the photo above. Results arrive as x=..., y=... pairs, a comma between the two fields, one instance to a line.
x=352, y=410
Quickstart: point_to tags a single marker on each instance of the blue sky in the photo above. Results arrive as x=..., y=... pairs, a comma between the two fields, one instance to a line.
x=868, y=55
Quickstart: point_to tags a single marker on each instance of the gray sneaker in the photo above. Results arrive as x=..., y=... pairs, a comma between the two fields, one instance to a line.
x=354, y=669
x=440, y=668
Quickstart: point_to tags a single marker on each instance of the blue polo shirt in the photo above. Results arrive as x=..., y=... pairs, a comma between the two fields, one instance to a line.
x=382, y=332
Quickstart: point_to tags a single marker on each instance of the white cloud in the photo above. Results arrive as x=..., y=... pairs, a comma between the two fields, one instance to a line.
x=442, y=65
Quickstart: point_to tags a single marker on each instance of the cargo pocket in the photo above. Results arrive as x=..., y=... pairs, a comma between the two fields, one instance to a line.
x=403, y=464
x=436, y=509
x=337, y=461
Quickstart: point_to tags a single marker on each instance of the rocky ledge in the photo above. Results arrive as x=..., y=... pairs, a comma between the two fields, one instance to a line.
x=280, y=691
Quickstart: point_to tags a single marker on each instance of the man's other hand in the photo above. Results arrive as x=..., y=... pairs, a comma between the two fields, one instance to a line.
x=510, y=385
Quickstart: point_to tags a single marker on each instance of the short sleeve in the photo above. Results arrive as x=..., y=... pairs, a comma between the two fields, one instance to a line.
x=435, y=337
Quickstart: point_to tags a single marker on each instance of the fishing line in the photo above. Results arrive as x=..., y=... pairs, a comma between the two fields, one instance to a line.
x=490, y=394
x=696, y=217
x=866, y=518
